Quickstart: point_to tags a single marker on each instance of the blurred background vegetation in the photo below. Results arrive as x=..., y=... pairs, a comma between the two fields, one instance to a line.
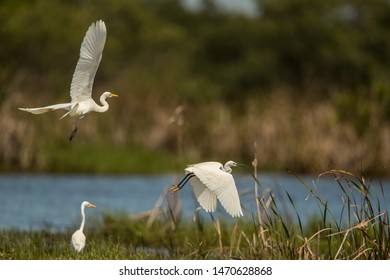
x=307, y=81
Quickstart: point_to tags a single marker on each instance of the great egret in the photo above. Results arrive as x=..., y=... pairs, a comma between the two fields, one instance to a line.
x=81, y=87
x=78, y=237
x=211, y=181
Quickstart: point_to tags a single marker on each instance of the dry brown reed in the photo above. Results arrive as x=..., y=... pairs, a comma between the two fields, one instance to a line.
x=301, y=135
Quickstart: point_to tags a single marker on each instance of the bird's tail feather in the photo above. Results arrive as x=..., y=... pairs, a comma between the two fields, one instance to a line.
x=41, y=110
x=73, y=110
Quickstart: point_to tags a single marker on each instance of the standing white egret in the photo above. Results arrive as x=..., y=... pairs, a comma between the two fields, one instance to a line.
x=211, y=181
x=78, y=237
x=81, y=87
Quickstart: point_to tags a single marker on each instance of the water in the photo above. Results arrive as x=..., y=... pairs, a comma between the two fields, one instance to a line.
x=33, y=202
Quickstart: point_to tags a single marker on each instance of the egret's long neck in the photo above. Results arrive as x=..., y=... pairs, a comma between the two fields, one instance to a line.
x=104, y=108
x=227, y=168
x=83, y=217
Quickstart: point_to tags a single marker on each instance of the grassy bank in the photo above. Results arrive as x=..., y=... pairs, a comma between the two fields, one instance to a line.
x=360, y=232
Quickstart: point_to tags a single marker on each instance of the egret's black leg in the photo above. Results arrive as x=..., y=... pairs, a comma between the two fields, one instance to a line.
x=74, y=131
x=185, y=179
x=182, y=183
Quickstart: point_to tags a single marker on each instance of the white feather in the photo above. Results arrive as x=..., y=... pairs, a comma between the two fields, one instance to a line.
x=205, y=197
x=213, y=181
x=45, y=109
x=91, y=51
x=78, y=240
x=81, y=103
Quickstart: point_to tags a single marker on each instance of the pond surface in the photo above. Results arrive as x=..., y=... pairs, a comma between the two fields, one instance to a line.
x=34, y=202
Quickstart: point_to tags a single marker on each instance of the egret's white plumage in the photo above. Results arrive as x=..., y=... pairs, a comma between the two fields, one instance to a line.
x=211, y=181
x=78, y=237
x=81, y=87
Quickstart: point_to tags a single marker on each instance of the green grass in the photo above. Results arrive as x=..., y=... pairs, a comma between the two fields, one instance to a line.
x=363, y=235
x=107, y=159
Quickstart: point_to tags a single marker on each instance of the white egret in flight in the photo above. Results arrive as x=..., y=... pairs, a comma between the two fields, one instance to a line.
x=81, y=87
x=78, y=237
x=211, y=181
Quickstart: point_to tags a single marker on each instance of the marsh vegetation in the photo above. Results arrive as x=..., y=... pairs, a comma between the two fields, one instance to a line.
x=312, y=95
x=361, y=232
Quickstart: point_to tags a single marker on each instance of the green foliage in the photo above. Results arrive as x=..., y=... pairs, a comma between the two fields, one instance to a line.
x=309, y=44
x=360, y=232
x=103, y=160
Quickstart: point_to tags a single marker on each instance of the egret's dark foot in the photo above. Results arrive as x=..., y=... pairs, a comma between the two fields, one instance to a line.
x=74, y=131
x=174, y=188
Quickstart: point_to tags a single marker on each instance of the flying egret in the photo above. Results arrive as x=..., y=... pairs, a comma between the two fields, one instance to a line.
x=81, y=87
x=211, y=181
x=78, y=237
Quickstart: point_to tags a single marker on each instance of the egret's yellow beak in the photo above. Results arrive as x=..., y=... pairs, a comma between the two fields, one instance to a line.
x=91, y=205
x=114, y=95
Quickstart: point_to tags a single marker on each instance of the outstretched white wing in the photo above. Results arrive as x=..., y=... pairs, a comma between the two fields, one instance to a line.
x=221, y=184
x=90, y=56
x=206, y=198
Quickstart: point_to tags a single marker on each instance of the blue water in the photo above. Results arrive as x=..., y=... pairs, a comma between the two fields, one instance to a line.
x=33, y=202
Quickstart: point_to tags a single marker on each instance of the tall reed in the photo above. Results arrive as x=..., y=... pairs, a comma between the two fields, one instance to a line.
x=359, y=231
